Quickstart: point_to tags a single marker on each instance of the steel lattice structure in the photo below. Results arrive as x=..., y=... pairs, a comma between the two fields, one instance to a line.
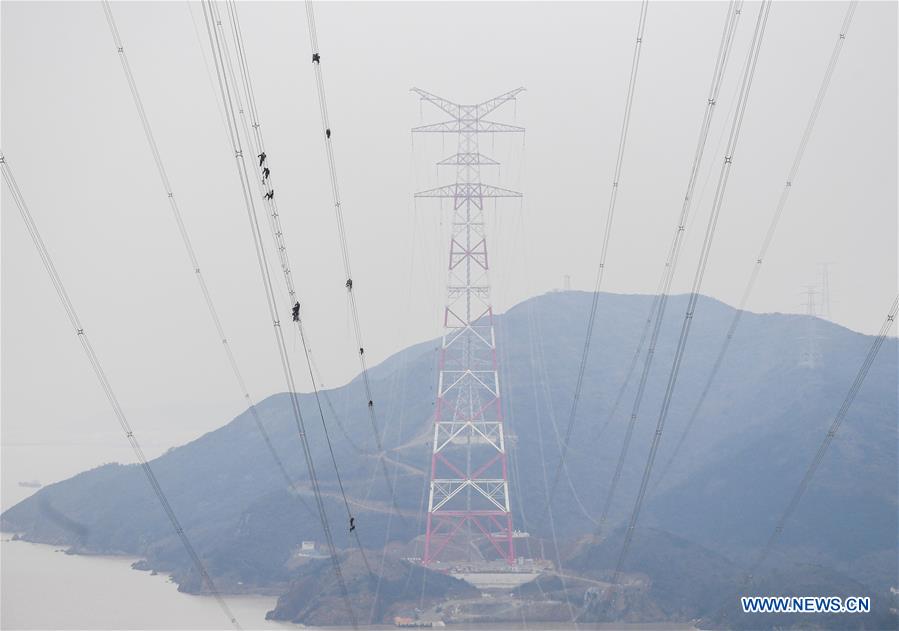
x=469, y=490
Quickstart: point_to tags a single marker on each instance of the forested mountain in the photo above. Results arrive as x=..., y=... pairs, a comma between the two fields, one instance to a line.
x=756, y=434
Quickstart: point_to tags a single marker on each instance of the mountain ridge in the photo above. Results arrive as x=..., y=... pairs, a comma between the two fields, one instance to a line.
x=759, y=428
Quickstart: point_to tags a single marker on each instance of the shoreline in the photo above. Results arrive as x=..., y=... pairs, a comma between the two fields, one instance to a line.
x=143, y=587
x=34, y=574
x=134, y=562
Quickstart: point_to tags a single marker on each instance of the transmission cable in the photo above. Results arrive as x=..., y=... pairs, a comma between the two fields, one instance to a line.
x=399, y=411
x=342, y=239
x=622, y=389
x=604, y=250
x=828, y=438
x=724, y=53
x=344, y=247
x=274, y=223
x=647, y=323
x=550, y=516
x=537, y=359
x=769, y=235
x=266, y=186
x=107, y=389
x=515, y=479
x=821, y=452
x=726, y=165
x=191, y=254
x=243, y=175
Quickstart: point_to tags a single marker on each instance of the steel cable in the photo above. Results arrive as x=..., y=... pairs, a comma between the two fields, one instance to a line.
x=604, y=250
x=342, y=239
x=769, y=236
x=274, y=223
x=622, y=389
x=265, y=275
x=825, y=443
x=727, y=37
x=88, y=348
x=726, y=165
x=265, y=184
x=191, y=254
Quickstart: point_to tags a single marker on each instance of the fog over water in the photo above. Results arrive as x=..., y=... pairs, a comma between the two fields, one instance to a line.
x=43, y=588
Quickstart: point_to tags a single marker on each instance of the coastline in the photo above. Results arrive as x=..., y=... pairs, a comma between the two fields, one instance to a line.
x=35, y=574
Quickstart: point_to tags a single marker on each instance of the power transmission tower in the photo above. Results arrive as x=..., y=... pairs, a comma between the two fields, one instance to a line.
x=825, y=290
x=469, y=490
x=810, y=356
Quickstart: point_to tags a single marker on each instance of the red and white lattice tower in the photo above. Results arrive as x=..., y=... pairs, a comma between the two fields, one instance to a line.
x=469, y=492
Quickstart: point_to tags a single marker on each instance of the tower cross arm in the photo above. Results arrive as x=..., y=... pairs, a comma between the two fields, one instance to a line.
x=475, y=126
x=453, y=109
x=488, y=106
x=468, y=190
x=446, y=127
x=491, y=127
x=468, y=158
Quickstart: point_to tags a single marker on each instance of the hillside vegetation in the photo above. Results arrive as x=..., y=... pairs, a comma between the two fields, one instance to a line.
x=703, y=521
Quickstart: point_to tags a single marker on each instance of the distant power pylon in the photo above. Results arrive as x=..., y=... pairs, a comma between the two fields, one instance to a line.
x=469, y=491
x=810, y=355
x=825, y=290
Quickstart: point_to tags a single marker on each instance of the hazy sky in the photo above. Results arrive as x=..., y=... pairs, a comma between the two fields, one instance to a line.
x=71, y=134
